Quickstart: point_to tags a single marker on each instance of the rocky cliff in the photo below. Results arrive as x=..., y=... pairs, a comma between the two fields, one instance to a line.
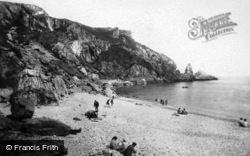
x=44, y=52
x=56, y=55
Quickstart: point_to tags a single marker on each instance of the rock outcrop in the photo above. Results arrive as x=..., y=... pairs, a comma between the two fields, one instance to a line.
x=189, y=73
x=23, y=101
x=189, y=70
x=23, y=104
x=198, y=76
x=202, y=76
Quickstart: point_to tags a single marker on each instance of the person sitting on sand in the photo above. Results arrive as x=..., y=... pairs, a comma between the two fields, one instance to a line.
x=96, y=105
x=122, y=145
x=113, y=143
x=184, y=112
x=245, y=122
x=91, y=114
x=241, y=122
x=130, y=150
x=179, y=111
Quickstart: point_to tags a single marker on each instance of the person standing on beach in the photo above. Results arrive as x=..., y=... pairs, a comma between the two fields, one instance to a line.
x=112, y=100
x=162, y=101
x=96, y=105
x=107, y=103
x=166, y=101
x=130, y=150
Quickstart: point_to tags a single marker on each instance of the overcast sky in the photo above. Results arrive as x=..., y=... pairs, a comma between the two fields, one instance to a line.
x=162, y=25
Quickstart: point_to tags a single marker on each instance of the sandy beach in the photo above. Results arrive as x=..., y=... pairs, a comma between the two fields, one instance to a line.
x=156, y=131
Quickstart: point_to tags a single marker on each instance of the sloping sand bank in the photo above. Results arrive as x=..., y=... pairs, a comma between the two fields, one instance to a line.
x=155, y=130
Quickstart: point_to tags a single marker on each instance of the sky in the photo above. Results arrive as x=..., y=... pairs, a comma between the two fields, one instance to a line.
x=163, y=26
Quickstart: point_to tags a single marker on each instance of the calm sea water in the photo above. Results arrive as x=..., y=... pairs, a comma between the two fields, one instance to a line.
x=227, y=96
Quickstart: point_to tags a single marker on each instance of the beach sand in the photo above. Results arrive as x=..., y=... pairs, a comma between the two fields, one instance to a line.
x=157, y=131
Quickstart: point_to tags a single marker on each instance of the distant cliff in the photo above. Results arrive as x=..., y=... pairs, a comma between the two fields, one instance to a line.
x=39, y=51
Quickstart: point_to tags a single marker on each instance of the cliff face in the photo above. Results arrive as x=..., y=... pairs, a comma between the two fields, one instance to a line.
x=39, y=51
x=30, y=40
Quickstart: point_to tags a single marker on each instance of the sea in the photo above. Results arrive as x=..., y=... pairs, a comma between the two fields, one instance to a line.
x=229, y=96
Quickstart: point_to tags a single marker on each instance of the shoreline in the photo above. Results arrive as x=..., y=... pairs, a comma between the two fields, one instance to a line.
x=227, y=105
x=209, y=114
x=156, y=131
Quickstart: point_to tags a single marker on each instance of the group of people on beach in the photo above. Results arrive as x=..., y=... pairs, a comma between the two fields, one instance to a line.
x=161, y=101
x=110, y=102
x=243, y=122
x=93, y=114
x=122, y=146
x=183, y=112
